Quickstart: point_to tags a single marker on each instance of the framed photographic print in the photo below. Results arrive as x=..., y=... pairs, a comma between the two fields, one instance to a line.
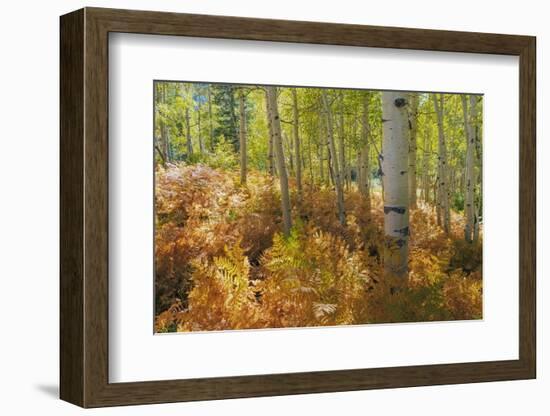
x=256, y=207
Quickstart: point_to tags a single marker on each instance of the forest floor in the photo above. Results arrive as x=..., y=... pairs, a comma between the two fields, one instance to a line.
x=221, y=261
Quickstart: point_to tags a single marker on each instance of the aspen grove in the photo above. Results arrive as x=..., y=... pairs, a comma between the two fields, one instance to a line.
x=297, y=207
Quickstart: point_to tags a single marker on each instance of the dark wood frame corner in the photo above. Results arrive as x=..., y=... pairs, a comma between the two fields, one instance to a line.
x=84, y=207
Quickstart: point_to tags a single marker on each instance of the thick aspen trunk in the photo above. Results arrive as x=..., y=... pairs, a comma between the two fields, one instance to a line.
x=477, y=157
x=297, y=151
x=336, y=173
x=395, y=147
x=242, y=136
x=443, y=186
x=476, y=226
x=280, y=158
x=413, y=129
x=469, y=208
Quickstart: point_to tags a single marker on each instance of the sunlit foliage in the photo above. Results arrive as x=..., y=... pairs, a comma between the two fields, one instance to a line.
x=223, y=263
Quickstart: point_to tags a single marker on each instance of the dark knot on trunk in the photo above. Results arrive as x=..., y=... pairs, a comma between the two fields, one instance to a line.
x=400, y=102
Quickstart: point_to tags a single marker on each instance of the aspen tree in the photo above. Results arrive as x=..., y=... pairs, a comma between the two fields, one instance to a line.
x=413, y=129
x=210, y=124
x=163, y=148
x=242, y=135
x=270, y=161
x=320, y=154
x=443, y=186
x=296, y=130
x=188, y=138
x=364, y=153
x=336, y=173
x=199, y=129
x=469, y=208
x=280, y=158
x=395, y=177
x=341, y=142
x=477, y=152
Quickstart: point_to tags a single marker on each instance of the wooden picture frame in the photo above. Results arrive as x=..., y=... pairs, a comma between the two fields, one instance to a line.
x=84, y=207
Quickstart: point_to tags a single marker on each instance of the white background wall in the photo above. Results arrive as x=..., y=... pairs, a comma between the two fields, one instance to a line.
x=29, y=158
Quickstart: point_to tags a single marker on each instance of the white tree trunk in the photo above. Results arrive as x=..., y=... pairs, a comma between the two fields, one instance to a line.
x=425, y=178
x=210, y=124
x=280, y=158
x=341, y=142
x=413, y=129
x=321, y=154
x=364, y=153
x=242, y=135
x=395, y=147
x=199, y=130
x=270, y=158
x=443, y=186
x=188, y=133
x=297, y=151
x=469, y=208
x=336, y=173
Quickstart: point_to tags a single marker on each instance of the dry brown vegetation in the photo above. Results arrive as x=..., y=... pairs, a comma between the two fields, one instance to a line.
x=223, y=263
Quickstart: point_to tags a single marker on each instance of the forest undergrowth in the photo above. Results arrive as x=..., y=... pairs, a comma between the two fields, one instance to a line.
x=222, y=261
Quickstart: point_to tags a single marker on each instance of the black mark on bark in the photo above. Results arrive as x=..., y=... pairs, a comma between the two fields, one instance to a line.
x=403, y=231
x=400, y=102
x=398, y=210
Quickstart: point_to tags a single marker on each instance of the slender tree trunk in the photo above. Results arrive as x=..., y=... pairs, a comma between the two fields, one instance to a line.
x=270, y=159
x=297, y=150
x=330, y=169
x=310, y=161
x=364, y=183
x=359, y=176
x=321, y=164
x=349, y=156
x=437, y=198
x=210, y=124
x=287, y=144
x=199, y=130
x=321, y=153
x=188, y=133
x=242, y=135
x=425, y=178
x=342, y=143
x=164, y=131
x=395, y=148
x=280, y=158
x=334, y=160
x=469, y=209
x=443, y=188
x=413, y=129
